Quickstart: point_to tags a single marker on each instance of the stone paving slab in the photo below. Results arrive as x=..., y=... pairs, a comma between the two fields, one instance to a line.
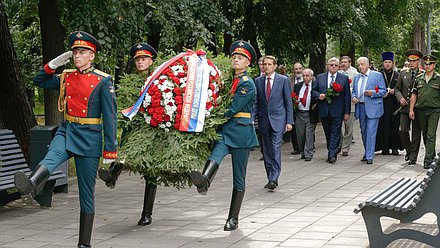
x=313, y=207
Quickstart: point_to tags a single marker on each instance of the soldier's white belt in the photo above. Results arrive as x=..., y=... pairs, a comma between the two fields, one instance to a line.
x=82, y=120
x=242, y=115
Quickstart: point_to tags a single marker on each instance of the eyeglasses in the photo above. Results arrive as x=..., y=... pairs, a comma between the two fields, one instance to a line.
x=333, y=65
x=429, y=63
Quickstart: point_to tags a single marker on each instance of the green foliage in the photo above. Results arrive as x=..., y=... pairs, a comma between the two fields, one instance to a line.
x=24, y=27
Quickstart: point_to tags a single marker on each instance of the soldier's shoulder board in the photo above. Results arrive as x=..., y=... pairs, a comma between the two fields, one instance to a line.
x=245, y=78
x=419, y=75
x=101, y=73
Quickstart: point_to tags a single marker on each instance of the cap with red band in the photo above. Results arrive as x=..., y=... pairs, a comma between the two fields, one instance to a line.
x=142, y=49
x=81, y=39
x=244, y=48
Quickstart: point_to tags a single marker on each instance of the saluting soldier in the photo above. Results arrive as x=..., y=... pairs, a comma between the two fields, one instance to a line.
x=404, y=85
x=143, y=55
x=237, y=135
x=87, y=98
x=425, y=99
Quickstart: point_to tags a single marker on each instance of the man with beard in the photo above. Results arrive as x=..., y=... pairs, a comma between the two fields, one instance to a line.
x=388, y=130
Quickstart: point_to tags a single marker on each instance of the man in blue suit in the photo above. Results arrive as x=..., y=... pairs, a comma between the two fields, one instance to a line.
x=274, y=109
x=332, y=109
x=368, y=90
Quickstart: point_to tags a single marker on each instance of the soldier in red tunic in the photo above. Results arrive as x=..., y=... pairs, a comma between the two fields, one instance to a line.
x=87, y=98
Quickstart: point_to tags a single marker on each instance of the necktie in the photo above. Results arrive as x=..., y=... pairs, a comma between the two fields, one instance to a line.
x=413, y=74
x=362, y=89
x=332, y=81
x=297, y=80
x=304, y=98
x=268, y=88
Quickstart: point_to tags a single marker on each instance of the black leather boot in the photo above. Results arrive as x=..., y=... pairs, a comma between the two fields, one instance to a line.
x=111, y=175
x=147, y=211
x=234, y=210
x=85, y=229
x=203, y=180
x=34, y=184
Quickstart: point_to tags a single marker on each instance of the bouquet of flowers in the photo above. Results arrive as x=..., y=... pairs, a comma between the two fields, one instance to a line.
x=295, y=99
x=161, y=142
x=333, y=91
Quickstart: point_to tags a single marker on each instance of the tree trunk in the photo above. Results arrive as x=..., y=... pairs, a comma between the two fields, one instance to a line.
x=52, y=40
x=15, y=110
x=417, y=40
x=317, y=55
x=227, y=36
x=348, y=49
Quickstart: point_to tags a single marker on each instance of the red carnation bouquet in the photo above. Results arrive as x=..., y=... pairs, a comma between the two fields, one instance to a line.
x=295, y=99
x=333, y=91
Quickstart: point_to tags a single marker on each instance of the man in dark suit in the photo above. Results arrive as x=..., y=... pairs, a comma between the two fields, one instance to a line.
x=274, y=109
x=332, y=109
x=306, y=115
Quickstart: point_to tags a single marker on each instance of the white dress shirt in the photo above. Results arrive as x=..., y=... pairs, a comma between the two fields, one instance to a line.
x=308, y=100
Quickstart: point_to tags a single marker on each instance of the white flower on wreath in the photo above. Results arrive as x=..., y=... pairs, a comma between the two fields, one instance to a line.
x=147, y=118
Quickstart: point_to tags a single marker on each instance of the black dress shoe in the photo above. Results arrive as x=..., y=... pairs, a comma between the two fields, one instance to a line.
x=331, y=160
x=386, y=152
x=262, y=158
x=369, y=161
x=271, y=185
x=427, y=165
x=295, y=153
x=363, y=159
x=303, y=157
x=412, y=161
x=395, y=152
x=307, y=159
x=407, y=157
x=345, y=154
x=267, y=185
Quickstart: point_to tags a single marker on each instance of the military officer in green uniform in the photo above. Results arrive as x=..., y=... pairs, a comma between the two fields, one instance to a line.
x=425, y=100
x=87, y=98
x=237, y=134
x=143, y=55
x=403, y=88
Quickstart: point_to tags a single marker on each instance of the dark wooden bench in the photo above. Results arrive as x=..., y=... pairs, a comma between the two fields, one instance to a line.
x=407, y=200
x=11, y=161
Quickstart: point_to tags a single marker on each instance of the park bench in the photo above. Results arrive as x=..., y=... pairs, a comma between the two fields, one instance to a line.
x=407, y=200
x=11, y=161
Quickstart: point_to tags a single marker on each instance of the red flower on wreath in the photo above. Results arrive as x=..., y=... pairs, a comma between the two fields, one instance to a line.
x=164, y=99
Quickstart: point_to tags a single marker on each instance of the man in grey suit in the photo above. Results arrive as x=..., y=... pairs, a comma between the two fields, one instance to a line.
x=306, y=115
x=274, y=109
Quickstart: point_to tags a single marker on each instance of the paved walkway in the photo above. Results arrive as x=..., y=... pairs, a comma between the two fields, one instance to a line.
x=313, y=207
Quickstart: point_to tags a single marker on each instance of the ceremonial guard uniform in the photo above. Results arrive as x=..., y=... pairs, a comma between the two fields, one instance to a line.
x=404, y=85
x=426, y=100
x=88, y=100
x=237, y=134
x=143, y=54
x=388, y=130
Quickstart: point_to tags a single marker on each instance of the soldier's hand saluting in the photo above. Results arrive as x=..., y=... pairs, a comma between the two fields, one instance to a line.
x=60, y=60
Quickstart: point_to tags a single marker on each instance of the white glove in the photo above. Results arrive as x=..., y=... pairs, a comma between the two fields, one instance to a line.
x=108, y=160
x=60, y=60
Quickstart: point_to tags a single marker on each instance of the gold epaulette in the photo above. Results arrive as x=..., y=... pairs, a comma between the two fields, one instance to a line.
x=245, y=78
x=101, y=73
